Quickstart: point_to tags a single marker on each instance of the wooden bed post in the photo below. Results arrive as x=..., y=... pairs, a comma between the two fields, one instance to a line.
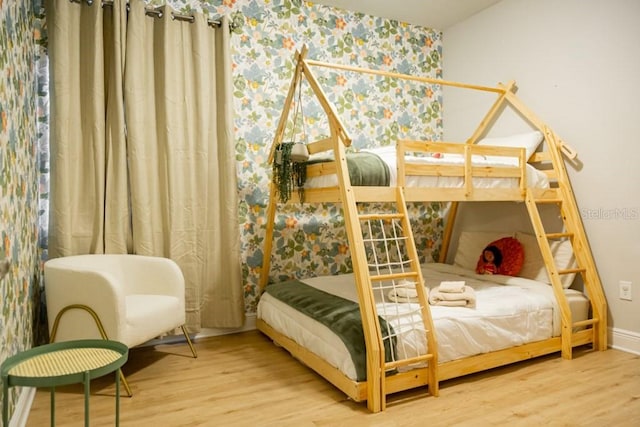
x=579, y=242
x=371, y=329
x=282, y=123
x=448, y=231
x=273, y=202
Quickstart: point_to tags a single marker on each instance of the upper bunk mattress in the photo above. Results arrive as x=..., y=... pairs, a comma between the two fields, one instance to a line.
x=509, y=311
x=388, y=155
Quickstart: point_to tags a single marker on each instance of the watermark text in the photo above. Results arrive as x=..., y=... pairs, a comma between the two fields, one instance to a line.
x=610, y=214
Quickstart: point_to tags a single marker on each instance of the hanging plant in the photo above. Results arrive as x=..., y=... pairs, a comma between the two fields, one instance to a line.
x=288, y=174
x=289, y=161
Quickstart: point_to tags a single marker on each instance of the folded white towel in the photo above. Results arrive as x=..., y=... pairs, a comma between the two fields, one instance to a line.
x=404, y=291
x=467, y=298
x=452, y=286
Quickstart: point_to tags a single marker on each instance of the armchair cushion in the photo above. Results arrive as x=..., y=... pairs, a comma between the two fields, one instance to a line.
x=142, y=308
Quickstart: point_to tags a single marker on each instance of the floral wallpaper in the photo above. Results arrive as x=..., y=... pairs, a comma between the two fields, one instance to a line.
x=19, y=289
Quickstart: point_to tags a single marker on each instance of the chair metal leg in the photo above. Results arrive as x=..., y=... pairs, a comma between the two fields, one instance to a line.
x=186, y=335
x=124, y=382
x=103, y=333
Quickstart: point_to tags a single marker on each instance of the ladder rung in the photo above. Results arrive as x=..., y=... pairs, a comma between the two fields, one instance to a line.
x=572, y=270
x=548, y=201
x=585, y=322
x=368, y=217
x=391, y=276
x=410, y=361
x=558, y=235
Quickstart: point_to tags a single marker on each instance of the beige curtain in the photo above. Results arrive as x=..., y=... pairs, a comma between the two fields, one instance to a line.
x=164, y=184
x=88, y=207
x=182, y=158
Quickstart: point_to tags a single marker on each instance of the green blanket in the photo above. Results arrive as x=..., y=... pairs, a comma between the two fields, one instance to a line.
x=338, y=314
x=366, y=169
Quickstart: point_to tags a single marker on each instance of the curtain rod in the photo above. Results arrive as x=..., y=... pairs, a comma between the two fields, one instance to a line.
x=157, y=12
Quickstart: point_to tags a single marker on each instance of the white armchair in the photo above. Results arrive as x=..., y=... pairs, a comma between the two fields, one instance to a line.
x=127, y=298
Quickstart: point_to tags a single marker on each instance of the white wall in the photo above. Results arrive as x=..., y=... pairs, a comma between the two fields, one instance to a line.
x=577, y=66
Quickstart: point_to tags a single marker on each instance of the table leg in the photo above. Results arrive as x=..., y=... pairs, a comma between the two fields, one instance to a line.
x=52, y=403
x=87, y=380
x=5, y=402
x=118, y=398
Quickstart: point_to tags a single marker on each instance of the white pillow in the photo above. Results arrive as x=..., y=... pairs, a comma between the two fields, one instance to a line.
x=534, y=268
x=529, y=141
x=471, y=244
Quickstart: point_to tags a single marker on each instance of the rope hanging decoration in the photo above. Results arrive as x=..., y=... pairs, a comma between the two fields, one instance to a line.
x=289, y=162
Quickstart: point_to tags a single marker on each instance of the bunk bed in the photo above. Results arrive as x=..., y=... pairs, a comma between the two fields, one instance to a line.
x=406, y=335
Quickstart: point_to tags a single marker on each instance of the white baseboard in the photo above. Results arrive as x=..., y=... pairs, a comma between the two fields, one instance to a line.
x=624, y=340
x=249, y=325
x=23, y=407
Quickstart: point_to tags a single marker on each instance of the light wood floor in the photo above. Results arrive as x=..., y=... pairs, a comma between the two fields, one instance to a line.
x=245, y=380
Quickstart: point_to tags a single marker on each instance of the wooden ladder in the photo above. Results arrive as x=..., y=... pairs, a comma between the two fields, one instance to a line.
x=380, y=281
x=573, y=230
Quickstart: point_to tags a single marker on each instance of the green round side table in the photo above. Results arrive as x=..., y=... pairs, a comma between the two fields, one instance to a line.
x=63, y=363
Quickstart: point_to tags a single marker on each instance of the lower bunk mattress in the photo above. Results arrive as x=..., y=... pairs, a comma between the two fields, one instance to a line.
x=508, y=311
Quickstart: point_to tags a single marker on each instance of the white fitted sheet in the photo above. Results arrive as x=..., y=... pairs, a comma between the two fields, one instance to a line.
x=509, y=311
x=535, y=177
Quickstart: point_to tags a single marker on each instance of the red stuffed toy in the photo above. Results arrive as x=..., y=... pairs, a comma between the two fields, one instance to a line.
x=503, y=256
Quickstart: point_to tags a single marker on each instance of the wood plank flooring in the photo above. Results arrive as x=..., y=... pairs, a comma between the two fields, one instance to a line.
x=245, y=380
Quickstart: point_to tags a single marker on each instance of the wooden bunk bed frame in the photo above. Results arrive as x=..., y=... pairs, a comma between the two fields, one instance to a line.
x=378, y=385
